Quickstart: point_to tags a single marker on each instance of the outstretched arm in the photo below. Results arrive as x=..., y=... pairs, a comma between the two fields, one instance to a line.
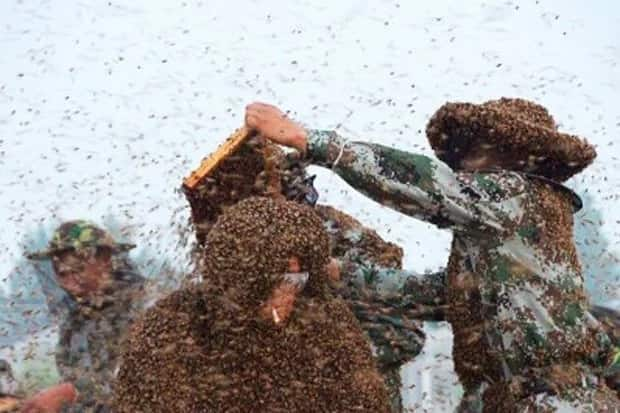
x=370, y=269
x=414, y=184
x=397, y=294
x=366, y=273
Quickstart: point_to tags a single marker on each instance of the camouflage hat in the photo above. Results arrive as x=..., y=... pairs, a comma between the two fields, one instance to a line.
x=514, y=126
x=77, y=235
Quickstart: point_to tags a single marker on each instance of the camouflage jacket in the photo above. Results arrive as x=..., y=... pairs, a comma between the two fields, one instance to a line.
x=387, y=300
x=90, y=344
x=369, y=267
x=514, y=285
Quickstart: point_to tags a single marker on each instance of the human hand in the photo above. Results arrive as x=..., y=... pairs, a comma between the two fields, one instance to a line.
x=274, y=125
x=8, y=404
x=51, y=400
x=333, y=270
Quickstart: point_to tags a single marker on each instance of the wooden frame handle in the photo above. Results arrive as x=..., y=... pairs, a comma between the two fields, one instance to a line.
x=223, y=151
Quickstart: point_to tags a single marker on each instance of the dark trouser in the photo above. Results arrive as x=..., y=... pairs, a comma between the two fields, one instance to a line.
x=391, y=375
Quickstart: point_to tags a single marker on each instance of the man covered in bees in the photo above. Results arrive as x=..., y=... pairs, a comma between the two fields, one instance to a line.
x=524, y=338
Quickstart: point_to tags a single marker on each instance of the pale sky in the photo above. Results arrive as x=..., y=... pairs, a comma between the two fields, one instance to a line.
x=105, y=107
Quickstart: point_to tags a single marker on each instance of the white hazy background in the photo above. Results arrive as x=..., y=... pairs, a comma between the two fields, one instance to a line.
x=106, y=106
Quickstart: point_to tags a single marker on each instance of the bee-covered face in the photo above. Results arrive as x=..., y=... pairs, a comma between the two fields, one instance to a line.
x=485, y=156
x=262, y=249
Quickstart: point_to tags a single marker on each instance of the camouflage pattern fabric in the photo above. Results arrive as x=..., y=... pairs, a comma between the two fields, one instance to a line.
x=365, y=260
x=611, y=321
x=387, y=300
x=89, y=347
x=79, y=235
x=514, y=282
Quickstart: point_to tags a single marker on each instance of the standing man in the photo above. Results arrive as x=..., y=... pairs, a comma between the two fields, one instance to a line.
x=106, y=292
x=361, y=259
x=363, y=267
x=524, y=339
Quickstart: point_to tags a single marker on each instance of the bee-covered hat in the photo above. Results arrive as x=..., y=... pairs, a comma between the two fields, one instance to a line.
x=514, y=126
x=78, y=235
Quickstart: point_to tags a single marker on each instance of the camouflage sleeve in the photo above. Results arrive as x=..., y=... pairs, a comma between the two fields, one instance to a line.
x=390, y=315
x=609, y=320
x=426, y=289
x=371, y=269
x=400, y=293
x=64, y=357
x=73, y=362
x=414, y=184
